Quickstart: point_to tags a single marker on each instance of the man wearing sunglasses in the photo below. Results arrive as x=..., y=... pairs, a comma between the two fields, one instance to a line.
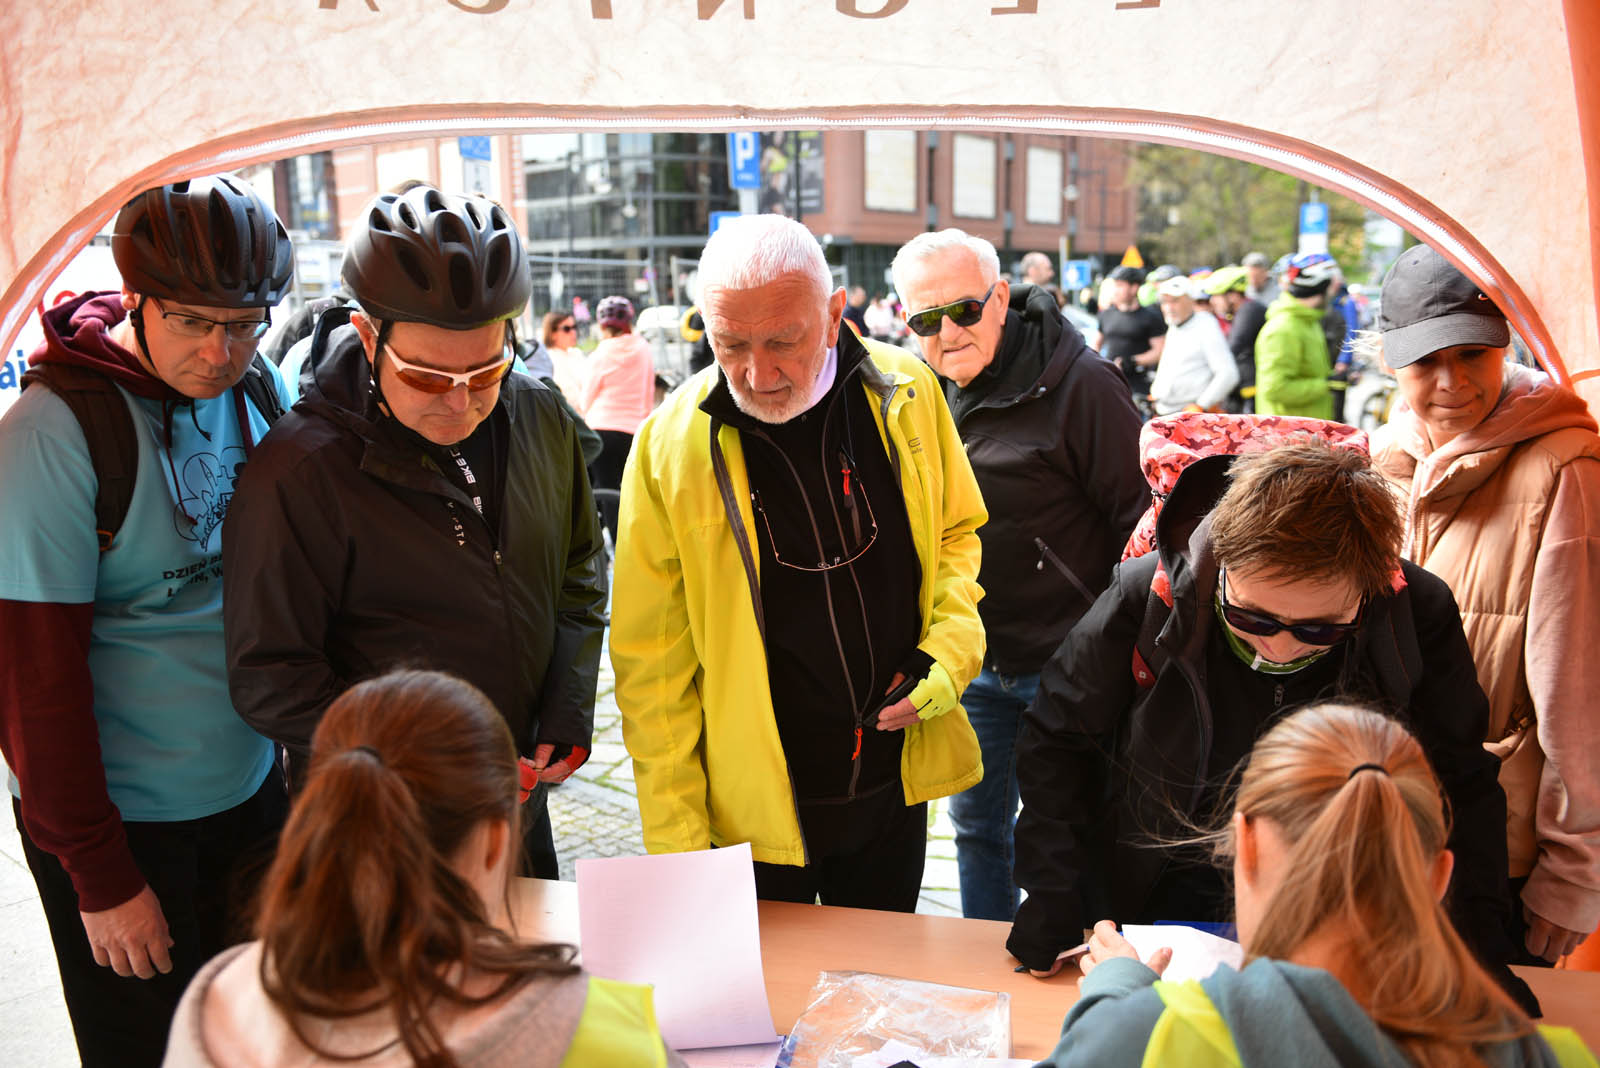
x=139, y=792
x=795, y=611
x=421, y=505
x=1277, y=581
x=1053, y=439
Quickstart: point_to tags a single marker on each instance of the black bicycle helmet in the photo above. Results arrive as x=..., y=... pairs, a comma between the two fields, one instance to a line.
x=209, y=242
x=424, y=256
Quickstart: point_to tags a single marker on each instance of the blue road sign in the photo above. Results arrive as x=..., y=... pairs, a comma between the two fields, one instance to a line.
x=1075, y=274
x=744, y=160
x=720, y=217
x=1313, y=218
x=474, y=148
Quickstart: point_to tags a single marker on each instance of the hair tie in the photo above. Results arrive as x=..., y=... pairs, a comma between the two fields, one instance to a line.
x=371, y=752
x=1359, y=768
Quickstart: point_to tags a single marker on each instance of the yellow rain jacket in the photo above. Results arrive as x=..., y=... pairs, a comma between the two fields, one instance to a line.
x=690, y=665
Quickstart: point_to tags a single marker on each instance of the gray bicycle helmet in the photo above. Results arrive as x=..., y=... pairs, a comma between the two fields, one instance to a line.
x=210, y=242
x=425, y=256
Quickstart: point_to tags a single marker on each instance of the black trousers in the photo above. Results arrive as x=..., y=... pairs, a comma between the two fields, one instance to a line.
x=865, y=854
x=205, y=874
x=606, y=473
x=538, y=840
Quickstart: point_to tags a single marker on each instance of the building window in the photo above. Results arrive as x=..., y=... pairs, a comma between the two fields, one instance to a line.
x=890, y=161
x=1044, y=186
x=973, y=176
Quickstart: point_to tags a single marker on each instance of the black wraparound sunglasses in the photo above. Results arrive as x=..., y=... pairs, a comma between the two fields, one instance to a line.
x=1264, y=626
x=962, y=312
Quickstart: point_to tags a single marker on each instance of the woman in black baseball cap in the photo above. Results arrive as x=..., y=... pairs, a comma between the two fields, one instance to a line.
x=1500, y=467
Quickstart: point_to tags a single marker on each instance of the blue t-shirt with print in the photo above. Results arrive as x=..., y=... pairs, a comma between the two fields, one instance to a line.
x=172, y=746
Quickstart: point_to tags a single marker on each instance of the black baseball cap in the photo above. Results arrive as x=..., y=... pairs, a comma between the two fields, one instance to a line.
x=1428, y=305
x=1128, y=274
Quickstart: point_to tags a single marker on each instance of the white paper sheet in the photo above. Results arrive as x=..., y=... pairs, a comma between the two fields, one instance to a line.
x=1195, y=954
x=761, y=1055
x=686, y=924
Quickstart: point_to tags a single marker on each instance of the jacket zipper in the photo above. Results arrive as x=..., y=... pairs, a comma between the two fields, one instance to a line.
x=857, y=715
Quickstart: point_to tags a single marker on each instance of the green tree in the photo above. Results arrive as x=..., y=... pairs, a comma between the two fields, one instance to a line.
x=1199, y=209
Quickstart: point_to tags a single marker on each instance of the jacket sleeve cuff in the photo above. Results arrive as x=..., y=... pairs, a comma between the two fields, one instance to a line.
x=104, y=877
x=1577, y=908
x=1116, y=977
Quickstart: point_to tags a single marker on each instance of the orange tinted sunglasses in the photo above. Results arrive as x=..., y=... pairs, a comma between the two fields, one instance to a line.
x=430, y=380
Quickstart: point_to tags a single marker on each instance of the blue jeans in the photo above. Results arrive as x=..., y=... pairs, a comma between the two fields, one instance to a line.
x=985, y=817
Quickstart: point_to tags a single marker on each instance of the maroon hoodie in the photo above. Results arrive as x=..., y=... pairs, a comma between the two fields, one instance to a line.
x=47, y=725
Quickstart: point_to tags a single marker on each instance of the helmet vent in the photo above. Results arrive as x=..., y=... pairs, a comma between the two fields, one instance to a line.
x=413, y=269
x=407, y=216
x=463, y=287
x=473, y=213
x=496, y=268
x=449, y=229
x=377, y=220
x=433, y=201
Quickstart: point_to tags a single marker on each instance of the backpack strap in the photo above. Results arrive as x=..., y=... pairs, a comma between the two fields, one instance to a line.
x=1147, y=660
x=107, y=425
x=1399, y=661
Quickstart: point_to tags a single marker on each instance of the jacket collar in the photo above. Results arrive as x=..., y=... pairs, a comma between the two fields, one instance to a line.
x=1037, y=348
x=854, y=360
x=1531, y=405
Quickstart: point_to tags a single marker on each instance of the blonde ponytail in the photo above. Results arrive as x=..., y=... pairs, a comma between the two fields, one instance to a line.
x=1353, y=796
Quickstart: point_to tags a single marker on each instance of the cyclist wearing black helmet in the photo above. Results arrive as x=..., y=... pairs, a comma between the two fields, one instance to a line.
x=139, y=789
x=421, y=506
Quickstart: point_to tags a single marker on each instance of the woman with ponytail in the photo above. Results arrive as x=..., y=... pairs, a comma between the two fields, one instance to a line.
x=1337, y=845
x=385, y=934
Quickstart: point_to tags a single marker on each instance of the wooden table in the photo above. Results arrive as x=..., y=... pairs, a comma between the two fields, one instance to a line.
x=798, y=941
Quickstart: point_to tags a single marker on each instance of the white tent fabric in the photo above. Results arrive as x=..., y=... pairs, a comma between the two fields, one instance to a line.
x=1458, y=118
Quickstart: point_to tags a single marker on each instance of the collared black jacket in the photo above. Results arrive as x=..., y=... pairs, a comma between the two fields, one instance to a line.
x=1054, y=441
x=1105, y=766
x=351, y=553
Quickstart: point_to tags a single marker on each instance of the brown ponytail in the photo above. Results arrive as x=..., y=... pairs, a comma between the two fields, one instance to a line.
x=361, y=909
x=1361, y=849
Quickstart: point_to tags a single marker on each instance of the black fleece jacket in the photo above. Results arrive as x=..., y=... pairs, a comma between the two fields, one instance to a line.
x=1104, y=766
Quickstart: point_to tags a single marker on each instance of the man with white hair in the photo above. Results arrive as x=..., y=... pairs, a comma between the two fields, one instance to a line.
x=795, y=613
x=1053, y=437
x=1197, y=371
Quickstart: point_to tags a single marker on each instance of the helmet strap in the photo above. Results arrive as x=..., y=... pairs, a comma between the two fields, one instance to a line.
x=385, y=329
x=136, y=317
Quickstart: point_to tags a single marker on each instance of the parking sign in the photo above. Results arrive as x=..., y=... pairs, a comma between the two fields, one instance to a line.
x=744, y=160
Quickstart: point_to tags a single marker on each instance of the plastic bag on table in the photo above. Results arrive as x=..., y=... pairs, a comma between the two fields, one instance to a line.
x=853, y=1014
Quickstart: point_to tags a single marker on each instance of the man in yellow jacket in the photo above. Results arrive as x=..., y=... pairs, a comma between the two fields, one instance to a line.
x=795, y=607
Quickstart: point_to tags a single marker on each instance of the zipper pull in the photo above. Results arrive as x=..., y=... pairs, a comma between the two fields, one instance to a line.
x=857, y=753
x=1277, y=697
x=844, y=470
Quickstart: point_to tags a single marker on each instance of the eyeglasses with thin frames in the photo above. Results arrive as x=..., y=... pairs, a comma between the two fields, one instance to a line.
x=822, y=565
x=963, y=312
x=188, y=324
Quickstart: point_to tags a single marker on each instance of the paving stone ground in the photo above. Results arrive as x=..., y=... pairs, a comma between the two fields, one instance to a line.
x=595, y=814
